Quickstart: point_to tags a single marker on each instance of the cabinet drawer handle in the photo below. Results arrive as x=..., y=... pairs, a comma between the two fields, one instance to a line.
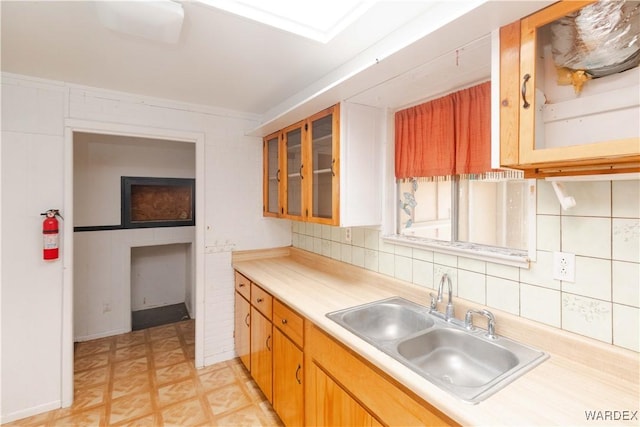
x=278, y=175
x=246, y=320
x=297, y=377
x=301, y=176
x=525, y=79
x=259, y=300
x=333, y=163
x=268, y=339
x=241, y=285
x=284, y=321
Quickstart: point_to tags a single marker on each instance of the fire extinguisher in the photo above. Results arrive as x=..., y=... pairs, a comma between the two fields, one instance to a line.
x=51, y=234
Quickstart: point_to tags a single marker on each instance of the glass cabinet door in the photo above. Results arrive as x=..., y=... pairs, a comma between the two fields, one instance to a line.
x=324, y=166
x=295, y=173
x=272, y=175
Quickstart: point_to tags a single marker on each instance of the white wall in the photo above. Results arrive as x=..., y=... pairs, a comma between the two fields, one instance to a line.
x=160, y=275
x=33, y=169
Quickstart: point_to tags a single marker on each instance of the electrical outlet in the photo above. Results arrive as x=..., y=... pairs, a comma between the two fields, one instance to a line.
x=347, y=234
x=564, y=266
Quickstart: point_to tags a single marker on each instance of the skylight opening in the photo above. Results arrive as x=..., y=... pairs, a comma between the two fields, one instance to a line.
x=319, y=20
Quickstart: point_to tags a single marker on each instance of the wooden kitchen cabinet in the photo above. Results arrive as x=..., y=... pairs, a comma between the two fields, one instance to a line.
x=332, y=405
x=288, y=386
x=262, y=340
x=326, y=168
x=547, y=129
x=288, y=365
x=242, y=330
x=262, y=353
x=272, y=176
x=336, y=376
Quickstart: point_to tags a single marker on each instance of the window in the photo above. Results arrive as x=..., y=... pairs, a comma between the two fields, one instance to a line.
x=489, y=212
x=448, y=194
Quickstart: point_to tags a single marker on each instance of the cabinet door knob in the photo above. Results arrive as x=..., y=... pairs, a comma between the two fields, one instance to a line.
x=298, y=371
x=246, y=320
x=259, y=300
x=284, y=321
x=525, y=79
x=241, y=285
x=301, y=176
x=333, y=163
x=268, y=339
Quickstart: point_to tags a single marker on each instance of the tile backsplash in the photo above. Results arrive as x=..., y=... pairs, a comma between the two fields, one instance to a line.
x=602, y=230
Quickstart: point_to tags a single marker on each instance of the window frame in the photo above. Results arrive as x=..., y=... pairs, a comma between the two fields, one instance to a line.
x=499, y=255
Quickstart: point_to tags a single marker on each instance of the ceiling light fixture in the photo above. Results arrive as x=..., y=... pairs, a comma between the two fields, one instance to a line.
x=319, y=20
x=158, y=20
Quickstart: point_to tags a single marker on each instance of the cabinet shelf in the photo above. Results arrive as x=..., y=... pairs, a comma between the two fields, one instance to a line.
x=321, y=171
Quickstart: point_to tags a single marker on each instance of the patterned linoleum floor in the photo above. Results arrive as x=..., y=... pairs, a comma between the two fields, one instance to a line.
x=148, y=378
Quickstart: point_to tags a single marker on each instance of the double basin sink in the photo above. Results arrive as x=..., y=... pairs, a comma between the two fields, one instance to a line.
x=464, y=362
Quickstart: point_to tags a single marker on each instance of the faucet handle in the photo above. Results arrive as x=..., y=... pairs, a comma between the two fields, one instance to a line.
x=434, y=301
x=491, y=321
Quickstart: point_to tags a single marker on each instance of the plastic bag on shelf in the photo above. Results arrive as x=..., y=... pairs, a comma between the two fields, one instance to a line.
x=598, y=40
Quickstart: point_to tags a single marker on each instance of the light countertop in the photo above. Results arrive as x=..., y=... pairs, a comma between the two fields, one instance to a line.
x=581, y=376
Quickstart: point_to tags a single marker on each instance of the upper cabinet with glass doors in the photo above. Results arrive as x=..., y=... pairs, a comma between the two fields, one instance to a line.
x=305, y=178
x=570, y=89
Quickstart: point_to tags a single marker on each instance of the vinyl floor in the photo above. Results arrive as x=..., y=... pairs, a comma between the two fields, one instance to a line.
x=148, y=378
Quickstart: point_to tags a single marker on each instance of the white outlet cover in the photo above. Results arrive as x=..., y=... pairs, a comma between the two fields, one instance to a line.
x=564, y=266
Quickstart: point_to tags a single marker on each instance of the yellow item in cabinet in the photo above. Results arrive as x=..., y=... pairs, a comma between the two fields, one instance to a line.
x=576, y=78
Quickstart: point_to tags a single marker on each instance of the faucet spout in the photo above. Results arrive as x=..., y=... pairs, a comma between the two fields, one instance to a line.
x=449, y=310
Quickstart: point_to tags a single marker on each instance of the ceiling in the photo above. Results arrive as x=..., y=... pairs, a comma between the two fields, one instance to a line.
x=227, y=61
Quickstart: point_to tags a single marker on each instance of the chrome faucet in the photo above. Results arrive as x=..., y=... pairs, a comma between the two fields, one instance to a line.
x=448, y=315
x=491, y=321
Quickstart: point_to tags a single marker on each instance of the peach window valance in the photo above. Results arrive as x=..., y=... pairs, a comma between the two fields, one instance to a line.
x=447, y=136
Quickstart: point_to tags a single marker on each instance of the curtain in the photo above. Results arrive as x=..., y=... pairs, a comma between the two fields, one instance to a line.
x=447, y=136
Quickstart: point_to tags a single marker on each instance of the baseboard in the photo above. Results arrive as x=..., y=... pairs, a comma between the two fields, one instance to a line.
x=24, y=413
x=101, y=335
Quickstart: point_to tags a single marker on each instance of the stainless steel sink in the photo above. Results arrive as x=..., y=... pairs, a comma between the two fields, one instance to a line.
x=465, y=363
x=386, y=320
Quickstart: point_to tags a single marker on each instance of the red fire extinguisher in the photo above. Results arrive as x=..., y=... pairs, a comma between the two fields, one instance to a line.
x=51, y=235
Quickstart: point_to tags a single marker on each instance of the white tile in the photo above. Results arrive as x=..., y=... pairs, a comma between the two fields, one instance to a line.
x=295, y=226
x=626, y=199
x=403, y=251
x=326, y=232
x=626, y=327
x=336, y=235
x=387, y=247
x=445, y=259
x=472, y=265
x=317, y=230
x=357, y=256
x=403, y=269
x=336, y=250
x=423, y=255
x=593, y=279
x=626, y=239
x=593, y=198
x=471, y=286
x=587, y=316
x=547, y=202
x=307, y=243
x=586, y=236
x=371, y=238
x=357, y=237
x=548, y=232
x=422, y=273
x=345, y=253
x=540, y=272
x=626, y=283
x=540, y=304
x=371, y=259
x=386, y=263
x=504, y=271
x=326, y=247
x=503, y=294
x=317, y=245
